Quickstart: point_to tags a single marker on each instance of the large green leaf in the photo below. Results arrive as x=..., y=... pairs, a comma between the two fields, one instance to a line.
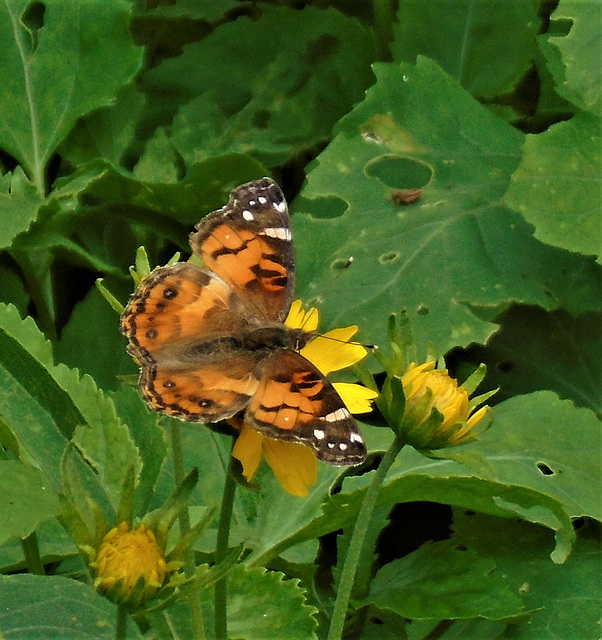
x=547, y=444
x=486, y=51
x=441, y=581
x=452, y=249
x=44, y=406
x=272, y=101
x=61, y=60
x=564, y=599
x=535, y=350
x=557, y=185
x=43, y=607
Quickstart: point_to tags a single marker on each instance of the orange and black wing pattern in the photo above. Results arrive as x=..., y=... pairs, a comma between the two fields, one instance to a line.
x=182, y=325
x=249, y=245
x=295, y=402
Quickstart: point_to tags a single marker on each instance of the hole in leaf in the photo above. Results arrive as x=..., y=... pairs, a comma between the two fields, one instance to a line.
x=422, y=310
x=546, y=471
x=261, y=118
x=339, y=264
x=399, y=173
x=388, y=258
x=33, y=20
x=322, y=48
x=325, y=207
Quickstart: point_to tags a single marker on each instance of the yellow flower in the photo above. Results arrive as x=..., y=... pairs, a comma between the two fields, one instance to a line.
x=438, y=412
x=294, y=464
x=130, y=565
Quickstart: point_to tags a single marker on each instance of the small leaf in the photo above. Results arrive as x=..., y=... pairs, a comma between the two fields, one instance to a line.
x=25, y=501
x=441, y=581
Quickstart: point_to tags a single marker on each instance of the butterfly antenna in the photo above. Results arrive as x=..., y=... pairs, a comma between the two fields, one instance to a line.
x=318, y=300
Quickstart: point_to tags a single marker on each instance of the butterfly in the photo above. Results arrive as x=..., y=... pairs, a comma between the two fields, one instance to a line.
x=211, y=341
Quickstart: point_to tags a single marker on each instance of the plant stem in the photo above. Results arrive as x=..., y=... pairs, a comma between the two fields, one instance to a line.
x=383, y=27
x=31, y=551
x=356, y=544
x=121, y=628
x=194, y=596
x=223, y=536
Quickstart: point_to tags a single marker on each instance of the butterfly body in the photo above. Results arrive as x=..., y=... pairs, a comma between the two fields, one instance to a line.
x=211, y=341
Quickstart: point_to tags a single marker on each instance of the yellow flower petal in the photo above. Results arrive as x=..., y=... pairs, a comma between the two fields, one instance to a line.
x=477, y=416
x=248, y=449
x=332, y=351
x=357, y=399
x=299, y=319
x=293, y=464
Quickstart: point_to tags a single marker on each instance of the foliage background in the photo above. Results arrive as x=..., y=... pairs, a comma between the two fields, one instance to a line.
x=122, y=124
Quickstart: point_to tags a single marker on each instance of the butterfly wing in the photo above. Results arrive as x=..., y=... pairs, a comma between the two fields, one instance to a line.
x=248, y=244
x=183, y=325
x=295, y=402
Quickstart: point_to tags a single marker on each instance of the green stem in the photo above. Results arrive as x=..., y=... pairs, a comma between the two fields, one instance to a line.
x=383, y=27
x=194, y=595
x=223, y=536
x=121, y=628
x=31, y=551
x=356, y=544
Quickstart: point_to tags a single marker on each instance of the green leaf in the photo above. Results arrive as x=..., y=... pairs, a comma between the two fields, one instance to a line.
x=557, y=185
x=549, y=445
x=579, y=76
x=42, y=607
x=262, y=606
x=76, y=348
x=45, y=405
x=564, y=599
x=25, y=501
x=107, y=132
x=60, y=61
x=148, y=437
x=279, y=517
x=441, y=581
x=451, y=251
x=486, y=51
x=19, y=204
x=535, y=350
x=210, y=10
x=271, y=101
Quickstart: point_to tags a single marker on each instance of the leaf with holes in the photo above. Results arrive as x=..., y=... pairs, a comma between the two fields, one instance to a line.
x=452, y=250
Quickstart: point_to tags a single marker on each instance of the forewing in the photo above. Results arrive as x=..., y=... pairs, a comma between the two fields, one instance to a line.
x=295, y=402
x=182, y=325
x=248, y=244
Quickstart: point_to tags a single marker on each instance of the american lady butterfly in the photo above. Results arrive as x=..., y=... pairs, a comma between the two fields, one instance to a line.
x=211, y=341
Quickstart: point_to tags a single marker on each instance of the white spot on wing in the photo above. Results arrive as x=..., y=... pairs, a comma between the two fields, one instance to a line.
x=247, y=215
x=342, y=446
x=262, y=200
x=331, y=445
x=252, y=202
x=335, y=416
x=318, y=434
x=355, y=437
x=281, y=233
x=280, y=206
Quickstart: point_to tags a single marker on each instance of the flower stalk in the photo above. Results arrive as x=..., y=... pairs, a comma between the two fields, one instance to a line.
x=221, y=551
x=356, y=544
